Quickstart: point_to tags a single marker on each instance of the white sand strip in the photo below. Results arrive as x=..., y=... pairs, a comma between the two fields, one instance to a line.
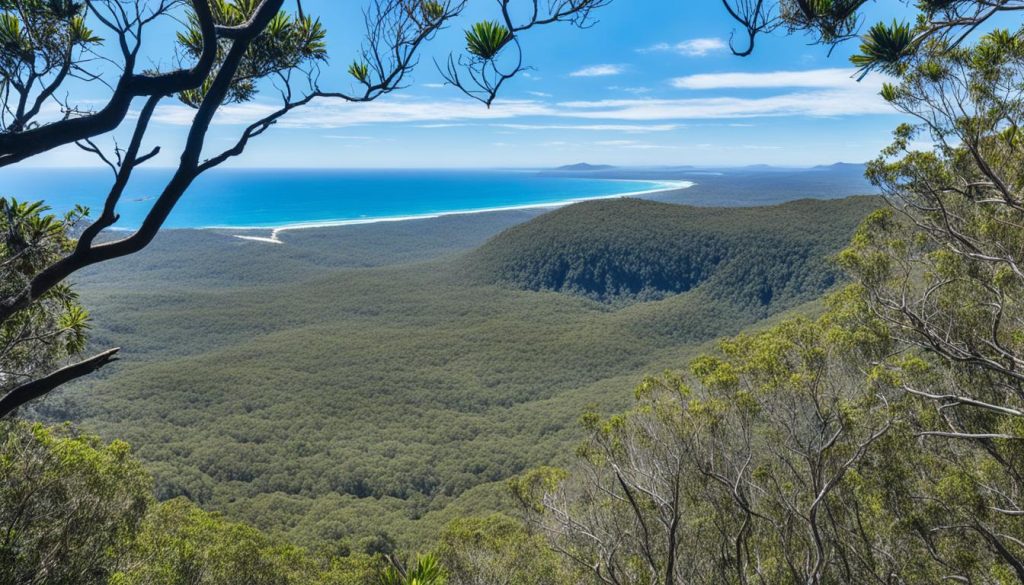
x=663, y=186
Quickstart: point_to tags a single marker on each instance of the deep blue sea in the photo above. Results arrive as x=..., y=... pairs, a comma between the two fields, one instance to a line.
x=275, y=198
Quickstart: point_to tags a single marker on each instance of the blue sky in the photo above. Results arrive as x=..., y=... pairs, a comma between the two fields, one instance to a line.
x=653, y=83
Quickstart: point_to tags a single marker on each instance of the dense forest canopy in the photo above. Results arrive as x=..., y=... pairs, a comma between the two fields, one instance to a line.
x=389, y=398
x=630, y=250
x=879, y=443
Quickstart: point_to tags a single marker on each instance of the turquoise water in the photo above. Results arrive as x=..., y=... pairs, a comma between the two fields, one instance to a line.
x=275, y=198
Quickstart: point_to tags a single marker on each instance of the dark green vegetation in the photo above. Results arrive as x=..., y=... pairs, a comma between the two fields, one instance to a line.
x=76, y=511
x=623, y=250
x=287, y=388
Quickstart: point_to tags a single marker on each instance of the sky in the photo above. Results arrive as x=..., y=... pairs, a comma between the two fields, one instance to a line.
x=652, y=83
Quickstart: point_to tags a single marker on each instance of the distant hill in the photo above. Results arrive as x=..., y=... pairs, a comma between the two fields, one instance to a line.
x=635, y=250
x=584, y=167
x=842, y=167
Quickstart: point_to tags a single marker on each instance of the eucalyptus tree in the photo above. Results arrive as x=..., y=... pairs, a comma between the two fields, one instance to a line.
x=941, y=267
x=928, y=487
x=884, y=46
x=756, y=468
x=497, y=550
x=226, y=51
x=70, y=506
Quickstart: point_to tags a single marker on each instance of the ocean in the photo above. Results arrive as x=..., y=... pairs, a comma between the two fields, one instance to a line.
x=251, y=198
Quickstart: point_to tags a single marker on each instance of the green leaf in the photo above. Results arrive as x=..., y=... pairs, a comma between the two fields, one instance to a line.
x=486, y=38
x=885, y=47
x=359, y=70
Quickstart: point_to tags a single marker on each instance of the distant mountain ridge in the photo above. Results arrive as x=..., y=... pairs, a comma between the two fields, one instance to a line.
x=585, y=167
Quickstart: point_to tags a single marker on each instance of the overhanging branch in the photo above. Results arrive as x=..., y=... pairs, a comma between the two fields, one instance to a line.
x=30, y=391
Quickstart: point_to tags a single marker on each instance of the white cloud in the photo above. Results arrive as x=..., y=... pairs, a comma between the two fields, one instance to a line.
x=326, y=113
x=633, y=90
x=442, y=125
x=539, y=94
x=627, y=128
x=830, y=97
x=598, y=71
x=615, y=142
x=651, y=146
x=819, y=78
x=824, y=103
x=634, y=145
x=690, y=48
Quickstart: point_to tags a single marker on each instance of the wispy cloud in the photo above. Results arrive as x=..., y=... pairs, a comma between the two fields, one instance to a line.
x=818, y=78
x=824, y=103
x=442, y=125
x=632, y=90
x=598, y=71
x=626, y=128
x=690, y=48
x=334, y=114
x=828, y=95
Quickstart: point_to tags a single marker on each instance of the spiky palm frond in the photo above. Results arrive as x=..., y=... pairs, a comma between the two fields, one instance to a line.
x=360, y=71
x=484, y=39
x=432, y=10
x=884, y=47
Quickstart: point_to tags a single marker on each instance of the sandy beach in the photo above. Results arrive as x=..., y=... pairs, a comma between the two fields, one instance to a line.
x=275, y=231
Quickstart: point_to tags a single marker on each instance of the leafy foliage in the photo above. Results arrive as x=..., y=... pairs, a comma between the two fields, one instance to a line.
x=359, y=70
x=69, y=505
x=484, y=39
x=179, y=543
x=286, y=43
x=39, y=39
x=38, y=338
x=885, y=47
x=426, y=570
x=788, y=456
x=497, y=549
x=881, y=443
x=940, y=269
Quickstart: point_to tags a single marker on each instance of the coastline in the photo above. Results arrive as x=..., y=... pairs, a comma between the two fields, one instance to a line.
x=275, y=231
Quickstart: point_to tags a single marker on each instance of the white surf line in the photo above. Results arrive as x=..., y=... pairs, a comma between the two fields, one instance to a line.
x=665, y=186
x=273, y=239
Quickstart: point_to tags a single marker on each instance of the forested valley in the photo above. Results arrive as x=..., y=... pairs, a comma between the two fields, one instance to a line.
x=624, y=392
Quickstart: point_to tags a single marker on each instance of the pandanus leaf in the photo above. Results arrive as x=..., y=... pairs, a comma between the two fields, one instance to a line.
x=432, y=10
x=10, y=31
x=884, y=47
x=486, y=38
x=80, y=33
x=359, y=70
